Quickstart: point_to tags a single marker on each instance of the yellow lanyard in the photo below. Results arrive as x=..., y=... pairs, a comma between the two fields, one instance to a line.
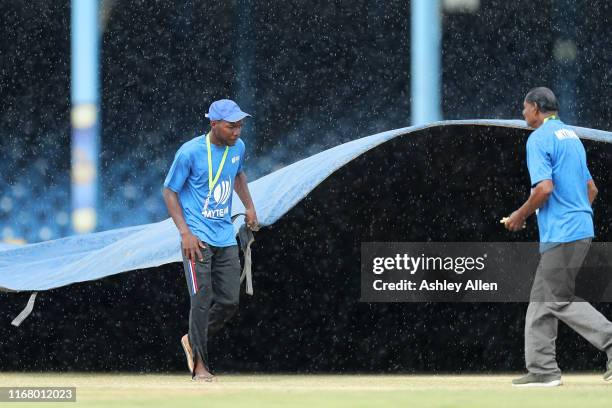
x=550, y=117
x=211, y=181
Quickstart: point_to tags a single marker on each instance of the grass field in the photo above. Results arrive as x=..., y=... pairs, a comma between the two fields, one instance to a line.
x=473, y=391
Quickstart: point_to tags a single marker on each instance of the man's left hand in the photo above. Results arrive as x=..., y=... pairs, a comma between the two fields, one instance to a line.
x=515, y=222
x=251, y=219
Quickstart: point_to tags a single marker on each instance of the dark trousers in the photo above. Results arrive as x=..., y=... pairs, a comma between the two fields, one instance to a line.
x=553, y=299
x=214, y=287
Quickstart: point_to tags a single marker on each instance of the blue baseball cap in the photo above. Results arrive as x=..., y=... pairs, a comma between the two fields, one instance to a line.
x=227, y=110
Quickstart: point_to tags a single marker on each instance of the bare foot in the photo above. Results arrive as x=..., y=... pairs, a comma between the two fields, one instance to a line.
x=204, y=376
x=188, y=352
x=200, y=373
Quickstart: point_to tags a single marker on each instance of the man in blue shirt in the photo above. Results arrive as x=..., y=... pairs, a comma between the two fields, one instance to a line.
x=198, y=193
x=562, y=192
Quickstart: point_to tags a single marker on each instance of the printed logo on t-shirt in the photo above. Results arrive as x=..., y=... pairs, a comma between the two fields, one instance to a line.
x=235, y=159
x=563, y=134
x=222, y=192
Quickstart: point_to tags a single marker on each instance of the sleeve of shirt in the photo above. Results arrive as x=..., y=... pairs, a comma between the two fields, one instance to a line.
x=588, y=174
x=179, y=171
x=242, y=154
x=539, y=162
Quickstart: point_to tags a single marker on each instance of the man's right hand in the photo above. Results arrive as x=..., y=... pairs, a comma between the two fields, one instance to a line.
x=191, y=246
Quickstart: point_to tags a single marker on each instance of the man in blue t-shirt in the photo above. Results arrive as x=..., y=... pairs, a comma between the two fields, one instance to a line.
x=198, y=192
x=562, y=192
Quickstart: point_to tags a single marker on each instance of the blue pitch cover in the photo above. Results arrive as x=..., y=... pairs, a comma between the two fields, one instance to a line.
x=64, y=261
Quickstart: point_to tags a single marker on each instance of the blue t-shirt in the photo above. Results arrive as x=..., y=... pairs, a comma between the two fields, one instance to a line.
x=554, y=152
x=188, y=177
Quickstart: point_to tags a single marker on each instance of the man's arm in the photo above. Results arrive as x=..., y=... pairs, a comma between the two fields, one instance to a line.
x=190, y=243
x=538, y=197
x=242, y=189
x=592, y=189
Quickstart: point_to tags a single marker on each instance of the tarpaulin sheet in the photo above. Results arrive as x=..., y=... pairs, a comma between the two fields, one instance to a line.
x=64, y=261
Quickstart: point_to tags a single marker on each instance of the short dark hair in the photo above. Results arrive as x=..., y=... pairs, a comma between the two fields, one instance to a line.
x=544, y=99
